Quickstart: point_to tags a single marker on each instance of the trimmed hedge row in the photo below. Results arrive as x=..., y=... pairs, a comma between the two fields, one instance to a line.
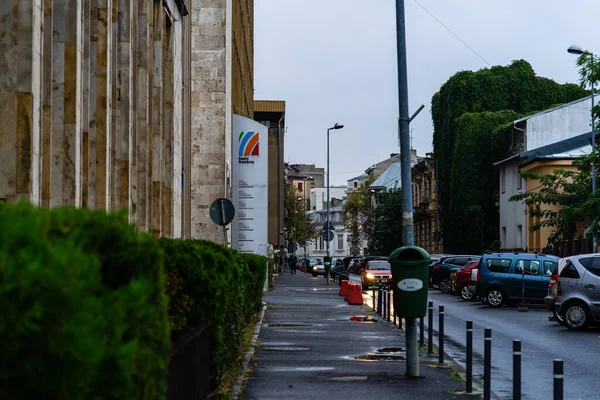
x=217, y=284
x=85, y=311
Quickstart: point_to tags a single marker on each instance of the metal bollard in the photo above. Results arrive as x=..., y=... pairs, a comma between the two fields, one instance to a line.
x=421, y=331
x=384, y=308
x=558, y=379
x=429, y=328
x=441, y=337
x=374, y=306
x=395, y=317
x=516, y=369
x=487, y=364
x=389, y=295
x=469, y=356
x=379, y=302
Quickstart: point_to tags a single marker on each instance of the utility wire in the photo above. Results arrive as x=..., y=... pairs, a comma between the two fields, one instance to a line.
x=454, y=34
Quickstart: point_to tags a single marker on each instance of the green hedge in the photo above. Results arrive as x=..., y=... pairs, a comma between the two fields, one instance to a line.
x=84, y=310
x=217, y=284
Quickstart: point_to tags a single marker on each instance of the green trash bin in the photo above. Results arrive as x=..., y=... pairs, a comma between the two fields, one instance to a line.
x=410, y=274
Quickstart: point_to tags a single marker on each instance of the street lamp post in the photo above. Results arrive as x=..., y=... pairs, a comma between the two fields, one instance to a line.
x=310, y=178
x=336, y=126
x=575, y=49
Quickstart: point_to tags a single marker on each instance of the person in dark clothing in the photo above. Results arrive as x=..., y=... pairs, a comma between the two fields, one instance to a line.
x=293, y=265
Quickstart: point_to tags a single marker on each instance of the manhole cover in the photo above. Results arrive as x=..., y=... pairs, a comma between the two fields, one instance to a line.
x=390, y=350
x=380, y=357
x=285, y=348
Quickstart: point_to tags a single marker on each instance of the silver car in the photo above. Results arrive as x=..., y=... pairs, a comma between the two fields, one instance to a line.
x=578, y=291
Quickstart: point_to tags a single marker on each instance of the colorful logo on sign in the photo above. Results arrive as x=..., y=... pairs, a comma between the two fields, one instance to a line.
x=248, y=144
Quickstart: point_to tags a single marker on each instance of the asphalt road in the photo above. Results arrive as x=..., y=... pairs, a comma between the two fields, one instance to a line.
x=542, y=342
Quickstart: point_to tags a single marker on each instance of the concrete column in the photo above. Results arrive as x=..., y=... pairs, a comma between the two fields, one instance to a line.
x=85, y=102
x=101, y=143
x=66, y=100
x=113, y=76
x=133, y=68
x=124, y=106
x=156, y=149
x=209, y=114
x=169, y=130
x=20, y=98
x=46, y=130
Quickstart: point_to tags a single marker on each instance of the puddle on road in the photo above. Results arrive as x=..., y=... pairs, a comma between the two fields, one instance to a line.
x=383, y=354
x=291, y=324
x=300, y=369
x=359, y=318
x=348, y=378
x=390, y=350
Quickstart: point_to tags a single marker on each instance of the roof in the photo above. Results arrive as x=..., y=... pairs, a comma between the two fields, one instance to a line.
x=389, y=179
x=562, y=147
x=553, y=109
x=269, y=106
x=563, y=156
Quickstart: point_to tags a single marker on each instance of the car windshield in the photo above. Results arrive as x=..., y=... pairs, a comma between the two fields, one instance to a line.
x=379, y=265
x=319, y=262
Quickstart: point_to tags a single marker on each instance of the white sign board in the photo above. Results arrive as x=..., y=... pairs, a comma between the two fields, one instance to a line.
x=250, y=186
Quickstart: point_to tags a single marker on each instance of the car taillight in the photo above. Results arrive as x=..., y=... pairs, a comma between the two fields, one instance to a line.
x=558, y=291
x=478, y=275
x=436, y=267
x=553, y=280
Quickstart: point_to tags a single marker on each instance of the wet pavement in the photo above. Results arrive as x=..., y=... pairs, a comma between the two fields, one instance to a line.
x=314, y=345
x=541, y=340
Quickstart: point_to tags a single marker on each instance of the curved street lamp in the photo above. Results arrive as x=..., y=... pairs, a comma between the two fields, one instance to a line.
x=335, y=126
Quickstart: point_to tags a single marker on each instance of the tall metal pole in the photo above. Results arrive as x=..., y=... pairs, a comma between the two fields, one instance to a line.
x=327, y=225
x=412, y=348
x=594, y=235
x=304, y=196
x=437, y=209
x=279, y=179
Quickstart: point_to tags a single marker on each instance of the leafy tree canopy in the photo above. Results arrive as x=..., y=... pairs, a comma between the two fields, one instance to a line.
x=294, y=216
x=357, y=209
x=384, y=227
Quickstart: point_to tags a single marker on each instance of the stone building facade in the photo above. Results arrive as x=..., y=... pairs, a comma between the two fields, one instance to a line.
x=424, y=205
x=124, y=104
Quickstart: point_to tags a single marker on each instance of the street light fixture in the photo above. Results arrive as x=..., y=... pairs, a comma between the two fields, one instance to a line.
x=335, y=126
x=578, y=50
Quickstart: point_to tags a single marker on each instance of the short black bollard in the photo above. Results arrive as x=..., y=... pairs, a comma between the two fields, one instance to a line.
x=374, y=304
x=384, y=308
x=441, y=337
x=558, y=379
x=379, y=302
x=487, y=364
x=395, y=317
x=469, y=356
x=389, y=305
x=421, y=331
x=516, y=369
x=430, y=328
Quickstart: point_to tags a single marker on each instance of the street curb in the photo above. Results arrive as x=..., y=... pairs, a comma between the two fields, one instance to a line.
x=237, y=388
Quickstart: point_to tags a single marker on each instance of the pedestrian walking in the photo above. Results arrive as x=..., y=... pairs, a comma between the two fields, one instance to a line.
x=293, y=264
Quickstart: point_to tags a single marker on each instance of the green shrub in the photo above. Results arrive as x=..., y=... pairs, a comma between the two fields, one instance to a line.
x=87, y=309
x=222, y=286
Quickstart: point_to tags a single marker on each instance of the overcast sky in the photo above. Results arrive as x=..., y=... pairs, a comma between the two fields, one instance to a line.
x=335, y=61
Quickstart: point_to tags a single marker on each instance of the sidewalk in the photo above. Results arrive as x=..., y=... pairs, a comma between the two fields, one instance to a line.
x=307, y=349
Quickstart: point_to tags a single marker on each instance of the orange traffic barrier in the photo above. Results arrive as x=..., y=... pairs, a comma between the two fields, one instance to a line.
x=343, y=288
x=348, y=290
x=356, y=297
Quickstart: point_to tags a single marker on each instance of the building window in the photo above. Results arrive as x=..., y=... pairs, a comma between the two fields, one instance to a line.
x=502, y=181
x=300, y=186
x=340, y=242
x=355, y=184
x=321, y=243
x=519, y=180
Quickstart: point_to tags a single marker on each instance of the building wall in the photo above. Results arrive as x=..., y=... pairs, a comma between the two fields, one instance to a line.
x=318, y=196
x=424, y=206
x=90, y=98
x=513, y=219
x=539, y=239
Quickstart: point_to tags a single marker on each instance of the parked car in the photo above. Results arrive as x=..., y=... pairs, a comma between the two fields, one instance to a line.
x=440, y=271
x=463, y=277
x=376, y=273
x=436, y=258
x=501, y=275
x=553, y=290
x=339, y=270
x=578, y=291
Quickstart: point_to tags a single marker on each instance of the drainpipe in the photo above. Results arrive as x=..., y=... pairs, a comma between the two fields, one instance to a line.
x=279, y=179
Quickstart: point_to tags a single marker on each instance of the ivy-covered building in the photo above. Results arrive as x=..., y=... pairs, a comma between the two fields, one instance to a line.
x=426, y=226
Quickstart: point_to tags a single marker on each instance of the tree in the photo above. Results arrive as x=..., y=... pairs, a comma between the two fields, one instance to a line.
x=294, y=216
x=357, y=209
x=571, y=191
x=384, y=225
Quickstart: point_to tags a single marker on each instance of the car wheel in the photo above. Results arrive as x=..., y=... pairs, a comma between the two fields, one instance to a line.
x=445, y=285
x=558, y=317
x=495, y=297
x=576, y=316
x=466, y=294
